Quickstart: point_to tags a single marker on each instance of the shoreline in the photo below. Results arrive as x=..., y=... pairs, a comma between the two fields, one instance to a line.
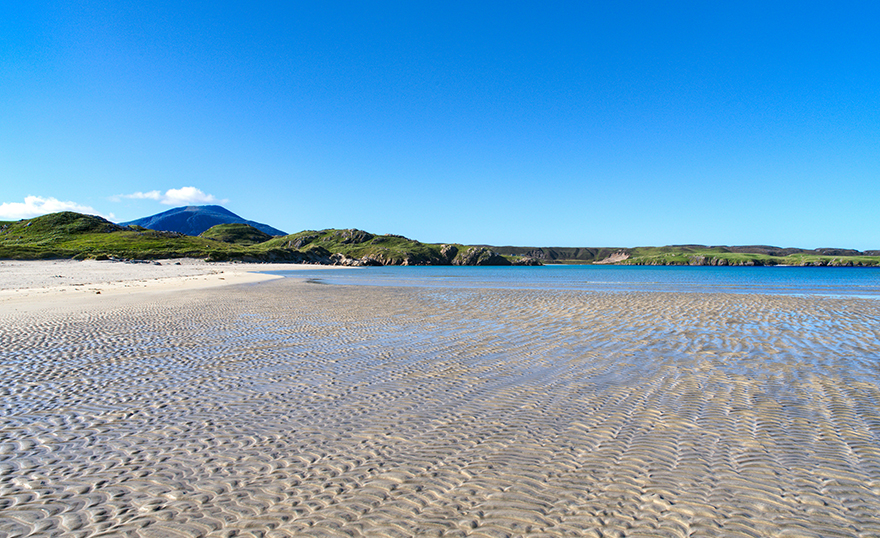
x=65, y=284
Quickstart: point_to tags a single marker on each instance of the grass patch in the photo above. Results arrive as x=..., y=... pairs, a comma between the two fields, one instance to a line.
x=236, y=233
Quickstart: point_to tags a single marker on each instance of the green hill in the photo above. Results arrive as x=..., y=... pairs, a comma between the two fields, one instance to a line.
x=72, y=235
x=357, y=247
x=236, y=233
x=361, y=245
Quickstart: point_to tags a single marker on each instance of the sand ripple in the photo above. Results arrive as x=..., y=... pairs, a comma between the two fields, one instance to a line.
x=295, y=409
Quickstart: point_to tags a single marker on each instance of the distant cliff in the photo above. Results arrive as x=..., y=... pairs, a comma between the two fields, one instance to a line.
x=755, y=255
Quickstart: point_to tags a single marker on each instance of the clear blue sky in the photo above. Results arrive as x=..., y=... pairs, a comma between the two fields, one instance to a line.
x=509, y=123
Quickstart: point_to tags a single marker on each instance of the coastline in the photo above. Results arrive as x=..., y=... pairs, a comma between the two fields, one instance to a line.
x=66, y=284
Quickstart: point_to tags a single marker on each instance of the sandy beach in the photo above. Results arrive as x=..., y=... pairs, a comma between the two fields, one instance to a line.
x=64, y=284
x=175, y=403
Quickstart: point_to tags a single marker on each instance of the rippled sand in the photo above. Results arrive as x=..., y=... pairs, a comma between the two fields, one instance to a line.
x=294, y=409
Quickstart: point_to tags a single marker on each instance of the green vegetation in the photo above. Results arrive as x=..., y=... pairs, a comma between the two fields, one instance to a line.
x=236, y=233
x=701, y=255
x=693, y=255
x=357, y=244
x=740, y=256
x=72, y=235
x=559, y=255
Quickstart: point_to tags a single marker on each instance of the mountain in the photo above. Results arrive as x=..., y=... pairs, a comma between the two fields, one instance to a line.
x=193, y=220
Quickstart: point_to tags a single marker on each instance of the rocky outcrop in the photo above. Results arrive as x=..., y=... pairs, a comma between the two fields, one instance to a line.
x=526, y=261
x=378, y=259
x=479, y=256
x=449, y=255
x=342, y=259
x=552, y=254
x=448, y=252
x=617, y=257
x=302, y=241
x=833, y=263
x=353, y=236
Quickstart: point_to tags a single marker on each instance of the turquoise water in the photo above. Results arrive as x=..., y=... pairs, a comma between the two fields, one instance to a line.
x=819, y=281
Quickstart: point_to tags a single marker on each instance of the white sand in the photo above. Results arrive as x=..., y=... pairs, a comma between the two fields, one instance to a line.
x=61, y=284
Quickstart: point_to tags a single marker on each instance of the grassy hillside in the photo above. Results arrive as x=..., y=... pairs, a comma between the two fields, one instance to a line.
x=740, y=256
x=236, y=233
x=353, y=245
x=72, y=235
x=702, y=255
x=357, y=244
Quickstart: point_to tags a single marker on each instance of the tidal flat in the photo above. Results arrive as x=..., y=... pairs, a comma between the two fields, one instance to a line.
x=289, y=408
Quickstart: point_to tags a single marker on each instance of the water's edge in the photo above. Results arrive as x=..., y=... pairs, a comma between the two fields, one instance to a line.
x=798, y=281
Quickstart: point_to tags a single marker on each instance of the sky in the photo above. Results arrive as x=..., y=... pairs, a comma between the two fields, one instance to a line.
x=507, y=123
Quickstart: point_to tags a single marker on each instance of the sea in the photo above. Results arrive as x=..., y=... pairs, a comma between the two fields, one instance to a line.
x=797, y=281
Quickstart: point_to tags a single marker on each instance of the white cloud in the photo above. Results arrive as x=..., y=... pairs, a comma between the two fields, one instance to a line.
x=181, y=196
x=34, y=206
x=152, y=195
x=187, y=195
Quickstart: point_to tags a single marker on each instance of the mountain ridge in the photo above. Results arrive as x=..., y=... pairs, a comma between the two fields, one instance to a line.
x=194, y=220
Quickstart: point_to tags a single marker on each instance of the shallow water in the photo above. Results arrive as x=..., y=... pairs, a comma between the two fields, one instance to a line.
x=808, y=281
x=295, y=409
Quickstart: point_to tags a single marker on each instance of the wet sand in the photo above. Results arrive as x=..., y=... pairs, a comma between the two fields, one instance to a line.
x=288, y=408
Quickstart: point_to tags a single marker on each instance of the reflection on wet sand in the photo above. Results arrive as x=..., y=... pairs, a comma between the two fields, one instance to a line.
x=292, y=409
